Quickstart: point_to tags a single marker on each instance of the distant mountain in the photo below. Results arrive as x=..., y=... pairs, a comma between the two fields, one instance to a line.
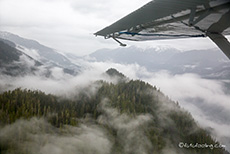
x=14, y=62
x=41, y=53
x=210, y=63
x=145, y=57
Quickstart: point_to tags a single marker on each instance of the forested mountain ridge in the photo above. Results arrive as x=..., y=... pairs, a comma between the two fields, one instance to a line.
x=41, y=53
x=135, y=118
x=46, y=53
x=14, y=62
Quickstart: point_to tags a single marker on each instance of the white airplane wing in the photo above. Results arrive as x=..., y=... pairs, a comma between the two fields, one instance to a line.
x=169, y=19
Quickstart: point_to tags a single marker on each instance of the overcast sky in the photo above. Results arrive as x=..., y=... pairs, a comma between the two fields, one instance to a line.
x=68, y=25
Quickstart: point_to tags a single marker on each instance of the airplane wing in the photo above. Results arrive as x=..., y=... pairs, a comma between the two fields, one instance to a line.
x=169, y=19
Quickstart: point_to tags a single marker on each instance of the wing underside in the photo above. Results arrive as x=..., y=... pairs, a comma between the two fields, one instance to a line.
x=169, y=19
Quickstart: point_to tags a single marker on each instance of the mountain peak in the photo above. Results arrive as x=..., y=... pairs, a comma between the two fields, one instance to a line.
x=113, y=72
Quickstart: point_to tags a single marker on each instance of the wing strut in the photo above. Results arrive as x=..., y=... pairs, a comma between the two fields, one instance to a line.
x=215, y=30
x=121, y=44
x=221, y=42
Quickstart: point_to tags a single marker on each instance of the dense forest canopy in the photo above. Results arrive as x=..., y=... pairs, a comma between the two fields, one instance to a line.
x=129, y=116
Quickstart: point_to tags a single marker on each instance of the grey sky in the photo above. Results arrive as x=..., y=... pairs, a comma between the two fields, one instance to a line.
x=68, y=25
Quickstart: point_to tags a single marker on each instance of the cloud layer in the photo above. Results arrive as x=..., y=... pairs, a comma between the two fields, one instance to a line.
x=66, y=25
x=206, y=99
x=37, y=136
x=69, y=25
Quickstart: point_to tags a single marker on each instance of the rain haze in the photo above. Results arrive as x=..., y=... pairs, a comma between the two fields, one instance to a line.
x=70, y=60
x=69, y=25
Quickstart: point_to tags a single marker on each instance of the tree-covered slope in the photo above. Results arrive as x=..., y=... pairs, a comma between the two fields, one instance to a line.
x=13, y=62
x=129, y=117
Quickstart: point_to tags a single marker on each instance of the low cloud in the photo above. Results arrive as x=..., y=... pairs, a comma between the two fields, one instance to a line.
x=130, y=131
x=206, y=99
x=60, y=83
x=37, y=136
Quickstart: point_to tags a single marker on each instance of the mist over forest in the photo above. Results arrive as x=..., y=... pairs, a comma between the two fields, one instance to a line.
x=79, y=105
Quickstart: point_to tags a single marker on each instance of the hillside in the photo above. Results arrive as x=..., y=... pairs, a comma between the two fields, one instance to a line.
x=129, y=117
x=41, y=53
x=14, y=62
